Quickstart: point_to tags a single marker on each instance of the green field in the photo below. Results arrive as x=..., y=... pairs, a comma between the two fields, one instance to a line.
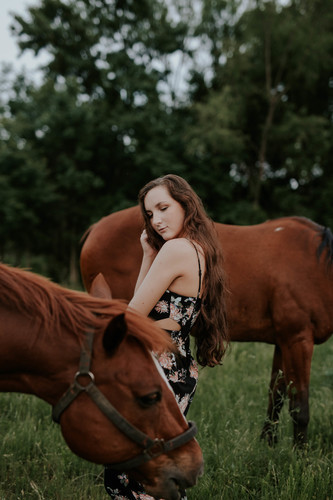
x=229, y=409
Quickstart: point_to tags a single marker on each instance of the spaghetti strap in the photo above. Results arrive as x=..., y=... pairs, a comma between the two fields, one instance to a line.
x=200, y=272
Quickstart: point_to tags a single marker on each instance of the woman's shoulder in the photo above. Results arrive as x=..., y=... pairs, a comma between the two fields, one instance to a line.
x=178, y=244
x=178, y=247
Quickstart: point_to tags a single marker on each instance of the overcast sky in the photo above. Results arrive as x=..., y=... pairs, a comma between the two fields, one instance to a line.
x=9, y=51
x=8, y=48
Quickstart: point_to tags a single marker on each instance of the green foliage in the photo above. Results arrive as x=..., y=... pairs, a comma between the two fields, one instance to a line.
x=217, y=131
x=250, y=128
x=229, y=410
x=272, y=72
x=96, y=122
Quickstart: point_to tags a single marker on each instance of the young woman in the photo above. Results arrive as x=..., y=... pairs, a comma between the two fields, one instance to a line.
x=181, y=282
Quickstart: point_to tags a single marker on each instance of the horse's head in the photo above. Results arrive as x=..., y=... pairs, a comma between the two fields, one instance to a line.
x=128, y=376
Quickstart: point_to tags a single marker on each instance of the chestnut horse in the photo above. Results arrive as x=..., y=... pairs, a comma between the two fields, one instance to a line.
x=119, y=404
x=281, y=293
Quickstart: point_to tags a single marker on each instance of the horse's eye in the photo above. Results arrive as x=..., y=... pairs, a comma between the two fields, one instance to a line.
x=150, y=399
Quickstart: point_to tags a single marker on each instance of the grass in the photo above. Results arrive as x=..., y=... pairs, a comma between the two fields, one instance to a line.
x=229, y=409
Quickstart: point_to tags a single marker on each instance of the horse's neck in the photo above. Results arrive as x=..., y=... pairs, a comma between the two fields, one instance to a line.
x=33, y=361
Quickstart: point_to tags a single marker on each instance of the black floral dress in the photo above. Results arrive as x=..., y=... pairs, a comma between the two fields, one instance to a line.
x=181, y=371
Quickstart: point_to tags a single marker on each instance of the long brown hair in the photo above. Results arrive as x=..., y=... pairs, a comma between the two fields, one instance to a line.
x=210, y=331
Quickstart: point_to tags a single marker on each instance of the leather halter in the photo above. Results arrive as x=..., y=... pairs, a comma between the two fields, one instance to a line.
x=152, y=448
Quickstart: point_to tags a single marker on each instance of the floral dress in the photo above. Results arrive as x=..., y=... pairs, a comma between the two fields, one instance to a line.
x=181, y=371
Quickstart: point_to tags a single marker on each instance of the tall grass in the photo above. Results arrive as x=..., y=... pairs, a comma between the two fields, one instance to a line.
x=229, y=409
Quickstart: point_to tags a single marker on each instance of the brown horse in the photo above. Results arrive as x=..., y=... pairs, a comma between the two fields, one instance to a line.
x=43, y=329
x=281, y=293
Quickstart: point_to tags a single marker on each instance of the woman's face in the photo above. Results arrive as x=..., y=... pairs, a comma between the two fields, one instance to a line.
x=166, y=214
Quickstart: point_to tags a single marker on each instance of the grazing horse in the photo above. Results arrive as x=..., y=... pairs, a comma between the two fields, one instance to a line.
x=281, y=293
x=114, y=405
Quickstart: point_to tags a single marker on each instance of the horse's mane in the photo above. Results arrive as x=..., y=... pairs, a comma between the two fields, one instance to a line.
x=86, y=234
x=58, y=307
x=306, y=222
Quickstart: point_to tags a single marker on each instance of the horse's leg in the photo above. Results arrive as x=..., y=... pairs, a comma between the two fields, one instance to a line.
x=297, y=356
x=277, y=392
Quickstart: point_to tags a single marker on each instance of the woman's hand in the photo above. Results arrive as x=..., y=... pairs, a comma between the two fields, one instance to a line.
x=149, y=254
x=148, y=250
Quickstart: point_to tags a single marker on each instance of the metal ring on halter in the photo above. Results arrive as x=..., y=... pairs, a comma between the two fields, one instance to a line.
x=90, y=375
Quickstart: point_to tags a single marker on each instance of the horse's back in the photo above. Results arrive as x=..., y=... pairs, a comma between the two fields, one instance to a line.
x=272, y=270
x=269, y=242
x=112, y=247
x=276, y=280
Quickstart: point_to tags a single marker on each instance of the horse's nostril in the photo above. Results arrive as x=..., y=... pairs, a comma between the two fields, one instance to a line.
x=182, y=483
x=175, y=481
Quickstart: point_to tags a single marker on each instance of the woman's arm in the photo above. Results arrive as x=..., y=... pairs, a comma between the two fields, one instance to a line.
x=168, y=265
x=145, y=266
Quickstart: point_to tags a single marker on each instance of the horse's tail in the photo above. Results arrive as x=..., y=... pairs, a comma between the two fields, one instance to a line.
x=326, y=244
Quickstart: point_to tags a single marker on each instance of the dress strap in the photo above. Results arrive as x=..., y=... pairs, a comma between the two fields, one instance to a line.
x=200, y=272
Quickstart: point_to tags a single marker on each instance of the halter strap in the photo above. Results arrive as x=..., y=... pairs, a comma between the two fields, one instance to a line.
x=152, y=448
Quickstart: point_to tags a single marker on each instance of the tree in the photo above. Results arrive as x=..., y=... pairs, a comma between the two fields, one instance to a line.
x=275, y=85
x=24, y=193
x=117, y=53
x=251, y=131
x=98, y=121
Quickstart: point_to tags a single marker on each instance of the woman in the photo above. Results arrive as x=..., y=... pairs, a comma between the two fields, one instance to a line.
x=181, y=276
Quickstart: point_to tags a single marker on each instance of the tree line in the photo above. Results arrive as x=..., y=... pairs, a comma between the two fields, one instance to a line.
x=235, y=96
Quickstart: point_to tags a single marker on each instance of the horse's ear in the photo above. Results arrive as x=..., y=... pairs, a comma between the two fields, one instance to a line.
x=114, y=333
x=99, y=288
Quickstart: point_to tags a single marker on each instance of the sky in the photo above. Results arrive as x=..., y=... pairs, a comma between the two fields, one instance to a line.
x=9, y=51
